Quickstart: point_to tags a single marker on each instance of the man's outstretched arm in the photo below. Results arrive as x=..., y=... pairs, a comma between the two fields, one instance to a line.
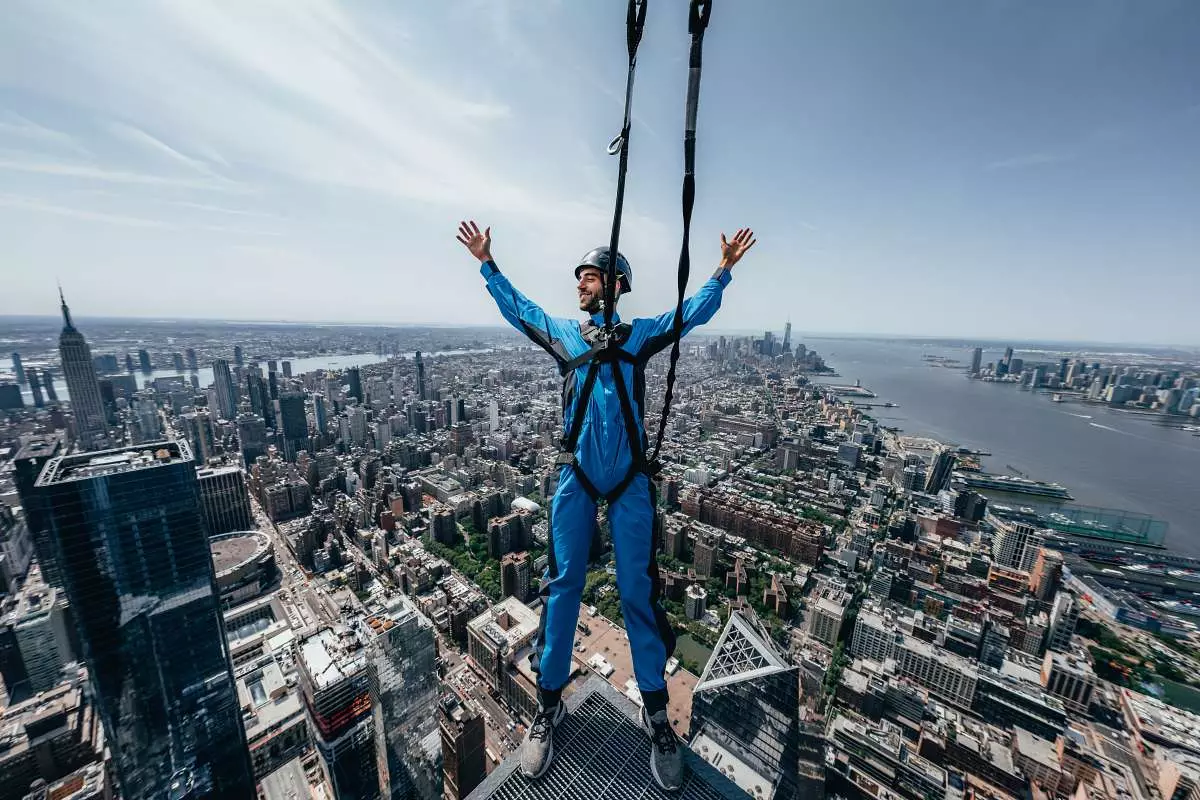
x=700, y=307
x=521, y=312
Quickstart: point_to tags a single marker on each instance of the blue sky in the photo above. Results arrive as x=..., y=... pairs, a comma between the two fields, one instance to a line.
x=976, y=169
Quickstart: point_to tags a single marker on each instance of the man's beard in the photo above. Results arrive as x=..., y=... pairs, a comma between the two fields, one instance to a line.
x=592, y=304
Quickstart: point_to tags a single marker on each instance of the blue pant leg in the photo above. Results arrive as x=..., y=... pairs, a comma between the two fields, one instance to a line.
x=651, y=640
x=572, y=522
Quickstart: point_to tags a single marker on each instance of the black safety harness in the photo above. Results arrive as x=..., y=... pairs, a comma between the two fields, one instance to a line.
x=605, y=343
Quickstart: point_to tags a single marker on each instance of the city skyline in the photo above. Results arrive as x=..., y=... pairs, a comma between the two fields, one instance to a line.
x=998, y=340
x=1049, y=175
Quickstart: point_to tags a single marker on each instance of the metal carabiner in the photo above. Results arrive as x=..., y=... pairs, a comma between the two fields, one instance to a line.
x=614, y=146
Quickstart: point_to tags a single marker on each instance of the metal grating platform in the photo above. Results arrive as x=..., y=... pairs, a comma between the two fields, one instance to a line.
x=601, y=753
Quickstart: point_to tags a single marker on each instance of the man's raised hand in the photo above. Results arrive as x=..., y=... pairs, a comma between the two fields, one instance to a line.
x=480, y=244
x=732, y=252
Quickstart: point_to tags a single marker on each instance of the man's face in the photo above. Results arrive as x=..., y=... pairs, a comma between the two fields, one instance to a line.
x=591, y=290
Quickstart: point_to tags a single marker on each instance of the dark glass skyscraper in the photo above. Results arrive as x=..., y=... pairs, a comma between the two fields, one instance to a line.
x=354, y=380
x=747, y=704
x=80, y=372
x=226, y=391
x=293, y=422
x=420, y=365
x=135, y=563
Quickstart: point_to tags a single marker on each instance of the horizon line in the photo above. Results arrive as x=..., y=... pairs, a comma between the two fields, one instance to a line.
x=707, y=331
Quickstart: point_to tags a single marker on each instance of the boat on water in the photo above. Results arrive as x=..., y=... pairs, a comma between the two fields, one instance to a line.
x=1013, y=484
x=1057, y=398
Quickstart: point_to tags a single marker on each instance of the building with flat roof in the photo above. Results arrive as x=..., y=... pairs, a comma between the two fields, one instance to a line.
x=497, y=634
x=224, y=499
x=464, y=753
x=48, y=736
x=89, y=782
x=134, y=561
x=335, y=684
x=273, y=713
x=245, y=565
x=1069, y=677
x=39, y=626
x=403, y=664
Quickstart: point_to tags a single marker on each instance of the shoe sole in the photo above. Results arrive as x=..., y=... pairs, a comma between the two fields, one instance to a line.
x=654, y=772
x=549, y=756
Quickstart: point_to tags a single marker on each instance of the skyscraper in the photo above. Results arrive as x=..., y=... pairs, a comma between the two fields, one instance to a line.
x=177, y=361
x=136, y=567
x=27, y=465
x=82, y=385
x=237, y=356
x=144, y=361
x=787, y=337
x=420, y=376
x=354, y=380
x=976, y=360
x=48, y=384
x=226, y=392
x=198, y=428
x=337, y=695
x=514, y=576
x=191, y=360
x=287, y=369
x=225, y=500
x=746, y=705
x=293, y=422
x=252, y=435
x=319, y=412
x=17, y=368
x=463, y=746
x=35, y=388
x=403, y=663
x=128, y=363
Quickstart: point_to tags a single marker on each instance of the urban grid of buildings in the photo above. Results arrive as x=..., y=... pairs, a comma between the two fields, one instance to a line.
x=280, y=583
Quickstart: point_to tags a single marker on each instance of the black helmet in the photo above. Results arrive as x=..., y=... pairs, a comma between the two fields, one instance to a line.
x=598, y=258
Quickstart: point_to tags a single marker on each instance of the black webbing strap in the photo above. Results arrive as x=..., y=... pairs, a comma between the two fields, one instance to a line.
x=697, y=22
x=635, y=21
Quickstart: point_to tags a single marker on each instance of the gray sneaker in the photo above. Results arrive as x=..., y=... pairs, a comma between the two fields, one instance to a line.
x=666, y=751
x=537, y=751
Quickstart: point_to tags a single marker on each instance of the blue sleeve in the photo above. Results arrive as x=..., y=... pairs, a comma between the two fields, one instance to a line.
x=521, y=312
x=697, y=310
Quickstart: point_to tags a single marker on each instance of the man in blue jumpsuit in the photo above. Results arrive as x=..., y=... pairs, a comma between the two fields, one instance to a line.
x=604, y=467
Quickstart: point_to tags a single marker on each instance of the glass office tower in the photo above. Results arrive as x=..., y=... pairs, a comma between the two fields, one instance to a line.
x=133, y=556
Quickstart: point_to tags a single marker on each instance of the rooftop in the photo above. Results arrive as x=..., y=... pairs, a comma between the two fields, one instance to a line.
x=610, y=642
x=235, y=549
x=602, y=753
x=509, y=622
x=330, y=656
x=86, y=466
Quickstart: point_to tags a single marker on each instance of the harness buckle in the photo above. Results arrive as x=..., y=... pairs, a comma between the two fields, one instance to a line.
x=564, y=459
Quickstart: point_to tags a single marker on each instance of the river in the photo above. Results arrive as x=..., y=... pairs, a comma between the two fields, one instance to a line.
x=1105, y=457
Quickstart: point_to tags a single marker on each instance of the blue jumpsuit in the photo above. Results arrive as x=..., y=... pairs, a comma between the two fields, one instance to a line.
x=604, y=455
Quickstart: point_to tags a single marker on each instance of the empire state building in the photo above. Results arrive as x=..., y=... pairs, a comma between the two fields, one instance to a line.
x=82, y=385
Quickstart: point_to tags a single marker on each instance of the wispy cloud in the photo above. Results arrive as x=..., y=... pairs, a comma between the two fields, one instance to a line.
x=140, y=138
x=240, y=212
x=302, y=91
x=1029, y=160
x=33, y=204
x=127, y=220
x=14, y=125
x=90, y=172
